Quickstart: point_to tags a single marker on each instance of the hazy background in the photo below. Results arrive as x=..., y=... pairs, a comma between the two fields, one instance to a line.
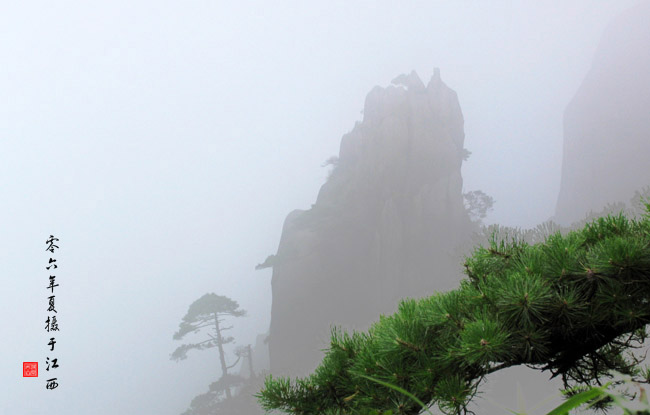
x=165, y=142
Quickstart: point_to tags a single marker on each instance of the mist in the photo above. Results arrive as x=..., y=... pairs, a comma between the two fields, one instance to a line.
x=165, y=143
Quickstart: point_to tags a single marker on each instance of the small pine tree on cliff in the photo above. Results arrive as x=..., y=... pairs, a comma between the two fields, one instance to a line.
x=208, y=312
x=573, y=305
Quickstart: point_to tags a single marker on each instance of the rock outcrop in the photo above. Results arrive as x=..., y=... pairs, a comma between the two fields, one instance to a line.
x=607, y=124
x=384, y=226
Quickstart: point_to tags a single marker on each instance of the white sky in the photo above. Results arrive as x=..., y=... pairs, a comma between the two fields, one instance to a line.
x=165, y=142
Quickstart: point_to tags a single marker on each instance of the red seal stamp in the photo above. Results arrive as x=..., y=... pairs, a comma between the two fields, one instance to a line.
x=30, y=369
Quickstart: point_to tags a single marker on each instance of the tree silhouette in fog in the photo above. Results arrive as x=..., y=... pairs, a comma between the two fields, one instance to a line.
x=208, y=312
x=477, y=204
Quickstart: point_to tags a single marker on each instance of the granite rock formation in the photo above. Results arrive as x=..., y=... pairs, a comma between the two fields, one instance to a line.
x=607, y=124
x=385, y=225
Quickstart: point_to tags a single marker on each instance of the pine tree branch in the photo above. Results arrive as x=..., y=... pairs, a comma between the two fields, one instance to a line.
x=562, y=305
x=236, y=361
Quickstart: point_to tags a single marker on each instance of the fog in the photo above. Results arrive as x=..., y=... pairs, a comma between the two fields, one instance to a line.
x=164, y=143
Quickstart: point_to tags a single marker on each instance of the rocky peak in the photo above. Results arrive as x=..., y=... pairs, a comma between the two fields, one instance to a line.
x=383, y=226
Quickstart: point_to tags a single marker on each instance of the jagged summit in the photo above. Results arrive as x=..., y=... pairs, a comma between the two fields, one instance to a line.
x=383, y=226
x=411, y=81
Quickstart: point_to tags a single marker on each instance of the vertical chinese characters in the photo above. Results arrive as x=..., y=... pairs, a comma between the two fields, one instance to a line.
x=51, y=323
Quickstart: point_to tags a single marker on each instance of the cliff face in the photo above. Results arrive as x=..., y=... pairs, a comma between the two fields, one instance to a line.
x=384, y=226
x=607, y=124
